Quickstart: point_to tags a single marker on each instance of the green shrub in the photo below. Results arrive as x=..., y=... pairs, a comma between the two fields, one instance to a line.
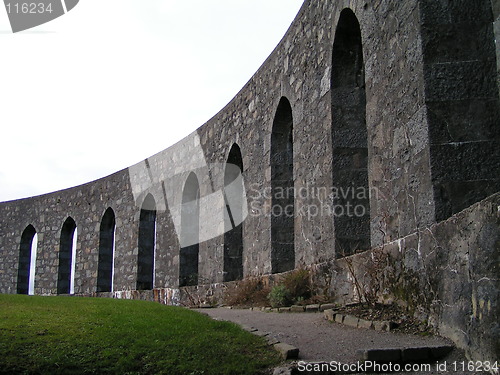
x=279, y=296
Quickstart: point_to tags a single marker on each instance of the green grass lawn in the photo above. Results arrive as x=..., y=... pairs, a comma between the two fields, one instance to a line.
x=71, y=335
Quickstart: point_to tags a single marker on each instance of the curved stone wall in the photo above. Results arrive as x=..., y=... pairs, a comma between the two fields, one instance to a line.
x=398, y=98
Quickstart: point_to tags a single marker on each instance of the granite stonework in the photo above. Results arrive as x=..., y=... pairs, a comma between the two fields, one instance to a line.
x=445, y=274
x=421, y=75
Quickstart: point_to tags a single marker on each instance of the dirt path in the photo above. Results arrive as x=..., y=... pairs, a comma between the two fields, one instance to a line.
x=321, y=341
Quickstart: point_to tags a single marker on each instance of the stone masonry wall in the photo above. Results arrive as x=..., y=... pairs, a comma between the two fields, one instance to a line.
x=446, y=274
x=495, y=4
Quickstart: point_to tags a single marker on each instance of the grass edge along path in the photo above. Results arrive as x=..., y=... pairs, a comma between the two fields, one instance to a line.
x=72, y=335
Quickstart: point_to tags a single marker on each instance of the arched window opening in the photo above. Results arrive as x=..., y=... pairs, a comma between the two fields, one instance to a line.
x=234, y=199
x=351, y=203
x=147, y=239
x=106, y=252
x=67, y=256
x=282, y=185
x=190, y=217
x=27, y=260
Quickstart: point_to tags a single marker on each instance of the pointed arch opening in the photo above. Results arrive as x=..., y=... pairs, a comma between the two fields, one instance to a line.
x=282, y=187
x=190, y=228
x=146, y=244
x=67, y=256
x=234, y=200
x=27, y=260
x=106, y=252
x=349, y=138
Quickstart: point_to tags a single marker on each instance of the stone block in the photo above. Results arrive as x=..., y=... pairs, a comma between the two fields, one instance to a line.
x=248, y=328
x=329, y=315
x=339, y=318
x=287, y=351
x=351, y=321
x=284, y=309
x=380, y=355
x=327, y=306
x=296, y=308
x=381, y=325
x=261, y=333
x=367, y=324
x=446, y=81
x=312, y=308
x=271, y=340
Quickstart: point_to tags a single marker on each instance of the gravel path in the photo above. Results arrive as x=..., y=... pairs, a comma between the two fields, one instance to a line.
x=322, y=341
x=318, y=339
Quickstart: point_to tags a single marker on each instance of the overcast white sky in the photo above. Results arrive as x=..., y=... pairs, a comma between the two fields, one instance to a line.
x=115, y=81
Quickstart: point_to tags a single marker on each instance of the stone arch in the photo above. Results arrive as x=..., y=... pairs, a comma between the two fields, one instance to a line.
x=282, y=187
x=26, y=248
x=146, y=244
x=106, y=251
x=351, y=202
x=66, y=256
x=233, y=216
x=190, y=232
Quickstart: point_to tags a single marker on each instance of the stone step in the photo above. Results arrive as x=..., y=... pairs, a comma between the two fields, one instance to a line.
x=411, y=354
x=394, y=356
x=287, y=351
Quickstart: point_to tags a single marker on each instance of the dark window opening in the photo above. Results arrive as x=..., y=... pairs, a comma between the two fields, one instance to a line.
x=66, y=256
x=26, y=246
x=233, y=219
x=106, y=248
x=147, y=238
x=190, y=216
x=283, y=205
